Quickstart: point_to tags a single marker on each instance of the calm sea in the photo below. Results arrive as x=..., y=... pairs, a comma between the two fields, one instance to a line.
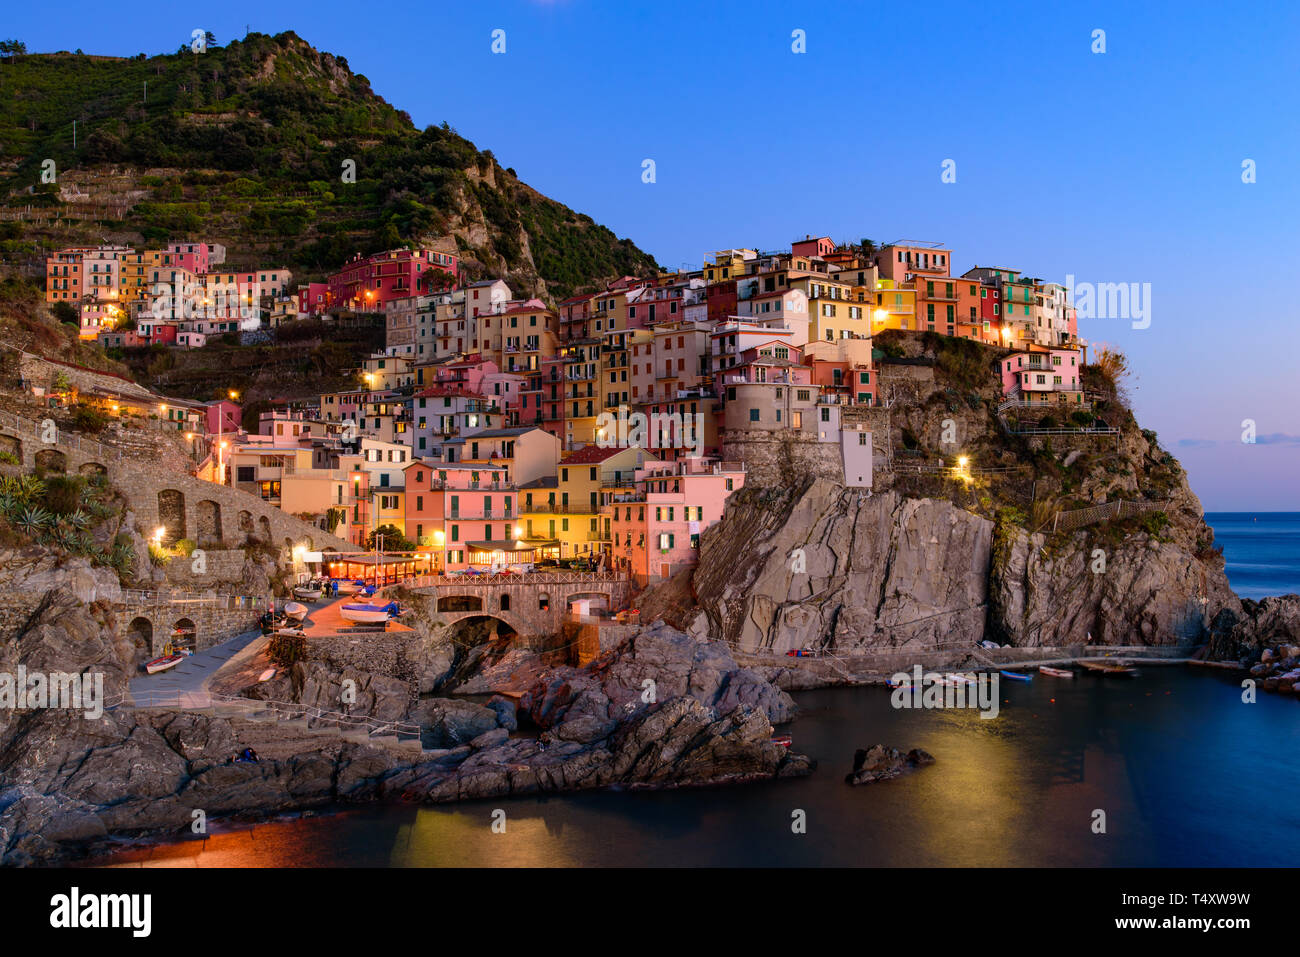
x=1262, y=551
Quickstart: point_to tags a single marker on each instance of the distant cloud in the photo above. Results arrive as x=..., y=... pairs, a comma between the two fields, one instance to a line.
x=1272, y=438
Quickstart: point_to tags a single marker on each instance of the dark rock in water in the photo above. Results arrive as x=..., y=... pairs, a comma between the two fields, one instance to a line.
x=879, y=763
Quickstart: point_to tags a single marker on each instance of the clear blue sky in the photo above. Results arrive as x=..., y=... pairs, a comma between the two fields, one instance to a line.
x=1115, y=167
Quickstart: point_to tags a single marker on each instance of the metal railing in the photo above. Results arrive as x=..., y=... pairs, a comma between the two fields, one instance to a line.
x=1065, y=521
x=515, y=578
x=284, y=710
x=144, y=597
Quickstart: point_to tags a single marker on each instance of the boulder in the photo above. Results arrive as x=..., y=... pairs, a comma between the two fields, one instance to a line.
x=451, y=722
x=881, y=762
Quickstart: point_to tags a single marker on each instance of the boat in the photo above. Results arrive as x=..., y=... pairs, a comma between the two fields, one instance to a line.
x=295, y=612
x=163, y=663
x=1016, y=676
x=954, y=680
x=1056, y=672
x=369, y=614
x=784, y=740
x=1108, y=667
x=266, y=675
x=309, y=592
x=348, y=587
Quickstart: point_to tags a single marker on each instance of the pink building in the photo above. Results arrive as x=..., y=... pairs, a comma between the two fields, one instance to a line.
x=1041, y=370
x=369, y=283
x=222, y=416
x=463, y=514
x=656, y=531
x=313, y=297
x=822, y=246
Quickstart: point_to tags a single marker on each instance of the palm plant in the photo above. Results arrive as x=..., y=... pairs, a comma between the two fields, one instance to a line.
x=30, y=488
x=33, y=519
x=79, y=519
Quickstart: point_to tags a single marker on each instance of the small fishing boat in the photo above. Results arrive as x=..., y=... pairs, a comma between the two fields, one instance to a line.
x=163, y=663
x=905, y=683
x=369, y=614
x=295, y=611
x=348, y=587
x=1108, y=667
x=266, y=675
x=784, y=740
x=957, y=680
x=1055, y=672
x=308, y=592
x=1016, y=676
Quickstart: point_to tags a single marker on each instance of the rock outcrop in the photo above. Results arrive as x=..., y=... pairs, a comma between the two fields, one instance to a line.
x=843, y=571
x=880, y=763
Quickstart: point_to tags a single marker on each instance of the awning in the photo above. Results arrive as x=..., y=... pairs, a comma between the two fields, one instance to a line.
x=511, y=545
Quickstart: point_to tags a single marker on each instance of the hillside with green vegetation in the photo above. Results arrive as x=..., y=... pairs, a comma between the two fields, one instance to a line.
x=246, y=145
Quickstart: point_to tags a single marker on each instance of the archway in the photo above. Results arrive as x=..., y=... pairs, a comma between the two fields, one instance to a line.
x=92, y=468
x=51, y=460
x=208, y=519
x=140, y=634
x=171, y=515
x=475, y=630
x=264, y=529
x=184, y=634
x=11, y=446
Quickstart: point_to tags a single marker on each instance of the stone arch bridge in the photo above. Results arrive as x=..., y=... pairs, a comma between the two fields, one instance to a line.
x=535, y=604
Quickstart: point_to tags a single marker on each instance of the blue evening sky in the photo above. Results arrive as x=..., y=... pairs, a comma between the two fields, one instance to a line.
x=1117, y=167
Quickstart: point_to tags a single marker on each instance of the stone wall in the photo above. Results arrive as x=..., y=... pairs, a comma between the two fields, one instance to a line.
x=215, y=619
x=399, y=655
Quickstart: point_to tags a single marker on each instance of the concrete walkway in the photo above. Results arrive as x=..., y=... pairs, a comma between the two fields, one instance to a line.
x=196, y=672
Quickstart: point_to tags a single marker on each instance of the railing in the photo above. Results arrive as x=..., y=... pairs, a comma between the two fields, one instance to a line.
x=558, y=509
x=22, y=424
x=285, y=710
x=515, y=578
x=1065, y=521
x=228, y=602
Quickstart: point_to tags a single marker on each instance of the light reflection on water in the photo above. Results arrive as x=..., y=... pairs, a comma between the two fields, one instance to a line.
x=1185, y=772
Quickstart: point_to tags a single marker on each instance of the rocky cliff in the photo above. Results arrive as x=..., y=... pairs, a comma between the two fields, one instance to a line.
x=853, y=573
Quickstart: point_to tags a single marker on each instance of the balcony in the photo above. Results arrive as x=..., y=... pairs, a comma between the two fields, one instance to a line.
x=941, y=293
x=554, y=508
x=489, y=514
x=932, y=267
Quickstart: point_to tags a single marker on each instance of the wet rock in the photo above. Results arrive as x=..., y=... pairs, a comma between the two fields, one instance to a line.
x=506, y=711
x=880, y=763
x=451, y=722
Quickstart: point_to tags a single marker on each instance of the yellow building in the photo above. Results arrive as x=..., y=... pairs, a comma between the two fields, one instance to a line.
x=895, y=307
x=833, y=310
x=582, y=391
x=567, y=507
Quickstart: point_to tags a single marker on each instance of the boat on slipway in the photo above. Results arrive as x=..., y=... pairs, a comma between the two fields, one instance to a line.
x=369, y=614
